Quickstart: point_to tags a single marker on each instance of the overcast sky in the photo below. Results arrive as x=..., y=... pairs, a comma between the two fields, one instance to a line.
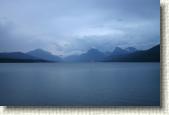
x=66, y=27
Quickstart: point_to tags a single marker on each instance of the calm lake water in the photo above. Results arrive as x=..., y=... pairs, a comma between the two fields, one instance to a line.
x=98, y=84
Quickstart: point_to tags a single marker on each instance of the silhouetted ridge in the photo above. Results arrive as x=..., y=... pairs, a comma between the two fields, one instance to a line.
x=18, y=57
x=91, y=55
x=150, y=55
x=119, y=51
x=42, y=54
x=129, y=54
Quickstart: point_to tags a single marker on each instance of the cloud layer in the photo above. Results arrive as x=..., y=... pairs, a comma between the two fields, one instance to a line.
x=73, y=26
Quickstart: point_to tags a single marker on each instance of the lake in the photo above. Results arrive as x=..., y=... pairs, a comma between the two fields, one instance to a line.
x=80, y=84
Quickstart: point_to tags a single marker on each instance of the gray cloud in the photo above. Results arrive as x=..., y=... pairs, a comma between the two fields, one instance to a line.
x=73, y=26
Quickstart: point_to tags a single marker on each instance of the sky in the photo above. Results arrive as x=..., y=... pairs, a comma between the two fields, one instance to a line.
x=66, y=27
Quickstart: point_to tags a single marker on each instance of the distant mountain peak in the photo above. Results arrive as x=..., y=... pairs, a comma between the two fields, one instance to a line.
x=117, y=48
x=40, y=51
x=93, y=50
x=42, y=54
x=131, y=49
x=119, y=51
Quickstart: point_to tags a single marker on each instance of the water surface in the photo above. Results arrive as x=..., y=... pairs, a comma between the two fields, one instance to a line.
x=97, y=84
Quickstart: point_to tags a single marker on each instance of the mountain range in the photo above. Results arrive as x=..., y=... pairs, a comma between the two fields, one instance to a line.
x=42, y=54
x=18, y=57
x=129, y=54
x=94, y=55
x=150, y=55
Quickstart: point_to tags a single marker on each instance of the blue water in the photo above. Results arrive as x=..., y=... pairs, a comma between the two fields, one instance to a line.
x=92, y=84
